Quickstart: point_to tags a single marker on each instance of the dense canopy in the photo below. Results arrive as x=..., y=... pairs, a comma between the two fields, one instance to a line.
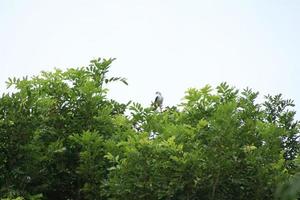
x=61, y=137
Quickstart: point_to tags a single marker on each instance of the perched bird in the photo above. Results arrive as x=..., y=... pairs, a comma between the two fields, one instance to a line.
x=158, y=101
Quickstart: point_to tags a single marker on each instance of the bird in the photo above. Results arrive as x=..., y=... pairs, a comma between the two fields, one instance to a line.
x=158, y=101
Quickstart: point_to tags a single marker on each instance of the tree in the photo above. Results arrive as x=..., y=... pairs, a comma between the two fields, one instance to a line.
x=62, y=138
x=37, y=121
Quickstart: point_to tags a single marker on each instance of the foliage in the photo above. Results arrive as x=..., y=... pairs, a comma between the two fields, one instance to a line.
x=290, y=189
x=62, y=138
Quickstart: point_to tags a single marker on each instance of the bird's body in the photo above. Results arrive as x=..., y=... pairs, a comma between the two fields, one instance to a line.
x=158, y=102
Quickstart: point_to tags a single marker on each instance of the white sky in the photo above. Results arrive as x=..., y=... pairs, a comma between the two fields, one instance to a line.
x=165, y=45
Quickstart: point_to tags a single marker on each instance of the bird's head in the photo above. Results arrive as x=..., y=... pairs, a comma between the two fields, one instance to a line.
x=158, y=93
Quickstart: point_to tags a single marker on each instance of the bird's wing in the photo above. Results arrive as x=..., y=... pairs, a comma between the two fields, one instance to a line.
x=156, y=99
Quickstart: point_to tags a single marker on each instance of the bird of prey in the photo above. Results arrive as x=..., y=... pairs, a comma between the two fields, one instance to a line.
x=158, y=101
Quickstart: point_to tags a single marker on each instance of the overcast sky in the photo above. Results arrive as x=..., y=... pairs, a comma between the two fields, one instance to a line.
x=164, y=45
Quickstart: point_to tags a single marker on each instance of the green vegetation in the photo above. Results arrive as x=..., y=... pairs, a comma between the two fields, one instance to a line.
x=62, y=138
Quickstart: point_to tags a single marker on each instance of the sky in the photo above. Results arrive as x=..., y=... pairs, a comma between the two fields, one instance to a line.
x=160, y=45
